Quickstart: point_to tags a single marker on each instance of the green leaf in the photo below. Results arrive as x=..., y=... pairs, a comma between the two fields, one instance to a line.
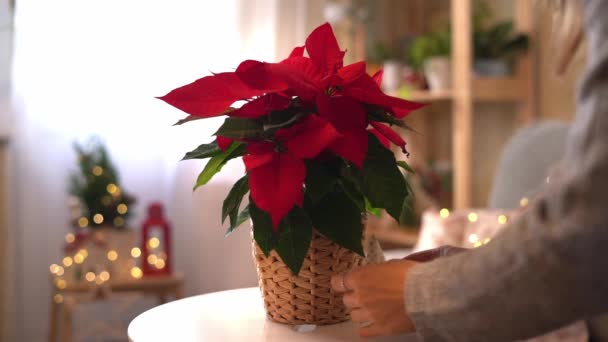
x=194, y=118
x=215, y=164
x=294, y=240
x=408, y=215
x=263, y=234
x=378, y=114
x=241, y=128
x=203, y=151
x=501, y=32
x=382, y=182
x=188, y=119
x=404, y=165
x=517, y=44
x=319, y=181
x=374, y=211
x=243, y=217
x=282, y=119
x=350, y=185
x=338, y=218
x=353, y=191
x=410, y=191
x=232, y=203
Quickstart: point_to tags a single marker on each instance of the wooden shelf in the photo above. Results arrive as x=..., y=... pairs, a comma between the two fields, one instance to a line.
x=485, y=89
x=147, y=283
x=497, y=89
x=429, y=96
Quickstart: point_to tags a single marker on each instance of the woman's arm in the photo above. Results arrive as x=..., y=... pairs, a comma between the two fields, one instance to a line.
x=549, y=268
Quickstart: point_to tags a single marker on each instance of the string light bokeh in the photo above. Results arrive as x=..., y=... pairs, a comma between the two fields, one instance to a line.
x=473, y=239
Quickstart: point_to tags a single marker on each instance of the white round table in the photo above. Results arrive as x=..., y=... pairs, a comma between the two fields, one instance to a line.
x=235, y=315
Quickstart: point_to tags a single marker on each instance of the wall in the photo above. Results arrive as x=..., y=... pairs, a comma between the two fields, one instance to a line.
x=8, y=301
x=210, y=261
x=3, y=235
x=5, y=56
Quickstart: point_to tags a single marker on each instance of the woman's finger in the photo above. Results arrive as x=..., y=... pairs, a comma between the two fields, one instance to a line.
x=360, y=316
x=432, y=254
x=371, y=330
x=339, y=283
x=351, y=300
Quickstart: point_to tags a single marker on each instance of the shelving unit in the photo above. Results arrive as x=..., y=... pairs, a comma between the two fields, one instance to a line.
x=484, y=90
x=466, y=91
x=428, y=96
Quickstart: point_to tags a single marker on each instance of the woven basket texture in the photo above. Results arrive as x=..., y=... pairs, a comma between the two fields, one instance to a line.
x=306, y=298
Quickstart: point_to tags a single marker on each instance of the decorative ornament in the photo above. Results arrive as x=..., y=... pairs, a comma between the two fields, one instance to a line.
x=156, y=243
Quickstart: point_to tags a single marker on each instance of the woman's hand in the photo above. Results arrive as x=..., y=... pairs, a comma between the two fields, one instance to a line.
x=375, y=296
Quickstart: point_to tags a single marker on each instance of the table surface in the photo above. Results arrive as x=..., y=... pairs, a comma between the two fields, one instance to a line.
x=235, y=315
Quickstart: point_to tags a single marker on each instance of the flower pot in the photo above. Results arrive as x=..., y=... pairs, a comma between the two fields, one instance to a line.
x=306, y=298
x=491, y=67
x=391, y=76
x=438, y=73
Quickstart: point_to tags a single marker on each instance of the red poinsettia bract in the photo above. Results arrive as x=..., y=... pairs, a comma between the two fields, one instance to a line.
x=332, y=100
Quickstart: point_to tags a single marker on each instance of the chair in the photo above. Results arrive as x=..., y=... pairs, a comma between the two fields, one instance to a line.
x=526, y=161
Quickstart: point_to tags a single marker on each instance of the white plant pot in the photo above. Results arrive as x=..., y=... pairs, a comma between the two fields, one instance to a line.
x=438, y=73
x=391, y=77
x=491, y=67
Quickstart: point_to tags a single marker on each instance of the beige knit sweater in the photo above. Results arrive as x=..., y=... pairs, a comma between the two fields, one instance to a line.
x=550, y=268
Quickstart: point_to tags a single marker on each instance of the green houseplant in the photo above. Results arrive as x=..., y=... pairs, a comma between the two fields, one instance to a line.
x=495, y=48
x=430, y=52
x=495, y=45
x=424, y=47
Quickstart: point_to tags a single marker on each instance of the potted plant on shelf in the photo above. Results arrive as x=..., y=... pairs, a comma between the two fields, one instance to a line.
x=398, y=76
x=314, y=137
x=391, y=65
x=431, y=53
x=496, y=47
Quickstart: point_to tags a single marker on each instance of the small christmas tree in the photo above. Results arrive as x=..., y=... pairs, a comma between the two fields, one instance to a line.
x=97, y=187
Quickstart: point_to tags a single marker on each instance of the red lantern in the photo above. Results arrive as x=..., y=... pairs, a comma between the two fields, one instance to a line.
x=156, y=242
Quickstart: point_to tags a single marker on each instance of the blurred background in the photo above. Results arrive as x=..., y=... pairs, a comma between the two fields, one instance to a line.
x=86, y=149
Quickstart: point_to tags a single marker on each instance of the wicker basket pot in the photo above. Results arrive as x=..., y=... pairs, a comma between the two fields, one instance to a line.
x=306, y=298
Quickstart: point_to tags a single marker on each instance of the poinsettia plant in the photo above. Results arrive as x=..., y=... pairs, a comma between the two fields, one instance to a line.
x=314, y=136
